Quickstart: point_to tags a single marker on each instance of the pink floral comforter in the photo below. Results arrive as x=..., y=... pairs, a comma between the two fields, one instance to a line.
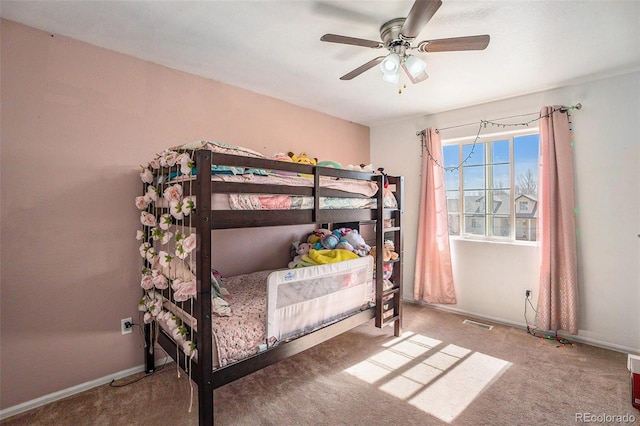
x=363, y=187
x=239, y=335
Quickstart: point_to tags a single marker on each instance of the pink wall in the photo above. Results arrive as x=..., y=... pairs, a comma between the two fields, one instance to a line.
x=76, y=122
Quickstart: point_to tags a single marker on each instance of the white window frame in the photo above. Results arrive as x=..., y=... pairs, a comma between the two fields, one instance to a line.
x=487, y=139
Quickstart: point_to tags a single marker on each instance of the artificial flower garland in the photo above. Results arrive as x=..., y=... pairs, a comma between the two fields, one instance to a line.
x=157, y=229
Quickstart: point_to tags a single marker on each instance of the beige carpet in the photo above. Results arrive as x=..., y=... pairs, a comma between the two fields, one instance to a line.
x=440, y=372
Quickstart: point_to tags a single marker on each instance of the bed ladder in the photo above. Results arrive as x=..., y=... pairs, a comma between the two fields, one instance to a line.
x=389, y=302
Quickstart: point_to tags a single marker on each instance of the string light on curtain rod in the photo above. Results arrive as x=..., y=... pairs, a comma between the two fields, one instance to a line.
x=483, y=125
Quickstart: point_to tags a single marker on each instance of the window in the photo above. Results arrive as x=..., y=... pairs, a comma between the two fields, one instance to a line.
x=492, y=186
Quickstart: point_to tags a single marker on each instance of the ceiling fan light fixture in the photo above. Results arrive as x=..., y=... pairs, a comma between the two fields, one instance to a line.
x=391, y=64
x=391, y=78
x=415, y=66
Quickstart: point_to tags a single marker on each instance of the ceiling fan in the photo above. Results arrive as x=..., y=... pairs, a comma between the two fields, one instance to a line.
x=397, y=36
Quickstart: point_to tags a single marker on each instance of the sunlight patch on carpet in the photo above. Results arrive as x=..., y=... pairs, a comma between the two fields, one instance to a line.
x=401, y=351
x=439, y=381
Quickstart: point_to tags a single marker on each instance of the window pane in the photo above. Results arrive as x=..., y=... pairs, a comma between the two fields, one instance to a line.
x=454, y=224
x=525, y=166
x=473, y=154
x=452, y=179
x=453, y=201
x=474, y=202
x=501, y=226
x=501, y=176
x=474, y=224
x=500, y=202
x=500, y=152
x=453, y=210
x=473, y=177
x=526, y=229
x=451, y=156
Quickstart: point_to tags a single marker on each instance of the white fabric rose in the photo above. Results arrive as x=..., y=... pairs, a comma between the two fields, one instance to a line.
x=189, y=243
x=146, y=282
x=188, y=205
x=175, y=207
x=152, y=193
x=180, y=252
x=188, y=347
x=185, y=162
x=166, y=237
x=165, y=221
x=169, y=159
x=160, y=282
x=172, y=322
x=142, y=202
x=147, y=219
x=144, y=248
x=146, y=175
x=186, y=291
x=151, y=255
x=164, y=258
x=173, y=193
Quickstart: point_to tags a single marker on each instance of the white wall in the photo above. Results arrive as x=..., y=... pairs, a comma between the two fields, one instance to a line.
x=490, y=278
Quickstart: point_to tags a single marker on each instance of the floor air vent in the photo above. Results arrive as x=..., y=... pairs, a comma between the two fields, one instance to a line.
x=478, y=324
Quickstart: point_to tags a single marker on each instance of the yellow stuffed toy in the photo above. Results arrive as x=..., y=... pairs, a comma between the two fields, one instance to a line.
x=303, y=158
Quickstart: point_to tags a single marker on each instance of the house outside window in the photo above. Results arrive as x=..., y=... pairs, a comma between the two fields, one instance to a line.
x=492, y=186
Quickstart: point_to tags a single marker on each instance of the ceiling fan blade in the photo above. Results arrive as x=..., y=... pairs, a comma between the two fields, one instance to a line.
x=421, y=12
x=362, y=68
x=334, y=38
x=420, y=77
x=478, y=42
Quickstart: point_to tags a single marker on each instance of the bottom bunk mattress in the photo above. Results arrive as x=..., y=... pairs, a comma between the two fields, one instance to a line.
x=270, y=307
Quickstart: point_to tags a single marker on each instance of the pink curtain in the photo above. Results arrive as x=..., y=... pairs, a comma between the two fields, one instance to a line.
x=558, y=289
x=434, y=277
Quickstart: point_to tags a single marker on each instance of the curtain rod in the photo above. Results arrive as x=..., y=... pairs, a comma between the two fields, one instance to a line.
x=577, y=106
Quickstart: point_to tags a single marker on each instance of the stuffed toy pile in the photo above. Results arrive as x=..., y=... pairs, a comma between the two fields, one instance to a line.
x=323, y=246
x=388, y=255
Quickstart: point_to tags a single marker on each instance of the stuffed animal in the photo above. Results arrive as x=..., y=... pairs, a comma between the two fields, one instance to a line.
x=329, y=163
x=317, y=235
x=302, y=158
x=367, y=168
x=388, y=252
x=303, y=248
x=343, y=245
x=360, y=247
x=298, y=249
x=281, y=156
x=329, y=241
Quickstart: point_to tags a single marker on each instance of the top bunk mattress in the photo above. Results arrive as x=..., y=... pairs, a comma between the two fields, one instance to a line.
x=243, y=179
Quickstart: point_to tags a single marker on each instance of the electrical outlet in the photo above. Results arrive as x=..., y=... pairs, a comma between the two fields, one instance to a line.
x=527, y=294
x=126, y=325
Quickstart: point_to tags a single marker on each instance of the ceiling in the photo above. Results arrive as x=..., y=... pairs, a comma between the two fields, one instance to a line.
x=273, y=47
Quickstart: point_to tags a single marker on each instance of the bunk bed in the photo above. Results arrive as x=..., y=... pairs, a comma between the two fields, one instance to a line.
x=207, y=173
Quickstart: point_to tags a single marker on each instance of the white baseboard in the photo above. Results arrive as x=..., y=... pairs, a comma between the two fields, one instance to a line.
x=55, y=396
x=574, y=338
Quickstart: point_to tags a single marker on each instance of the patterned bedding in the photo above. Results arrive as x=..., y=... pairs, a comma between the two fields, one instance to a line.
x=355, y=186
x=244, y=332
x=293, y=202
x=239, y=335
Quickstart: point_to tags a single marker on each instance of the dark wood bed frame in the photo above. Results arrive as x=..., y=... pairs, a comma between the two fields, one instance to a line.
x=204, y=220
